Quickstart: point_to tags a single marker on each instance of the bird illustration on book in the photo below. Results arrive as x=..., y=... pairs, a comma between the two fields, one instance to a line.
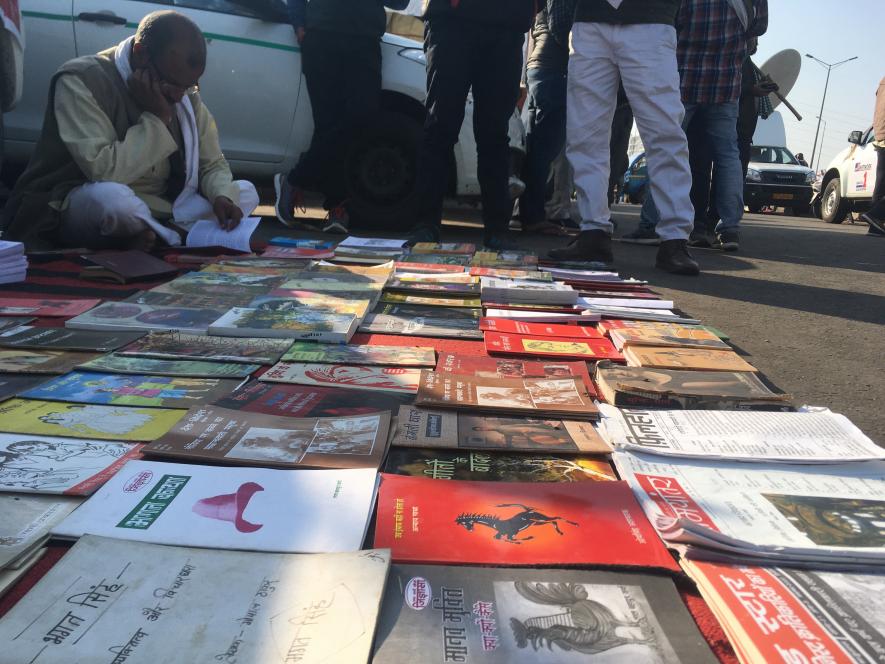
x=510, y=528
x=230, y=507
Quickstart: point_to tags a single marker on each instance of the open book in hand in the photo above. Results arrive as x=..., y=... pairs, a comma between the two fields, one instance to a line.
x=207, y=233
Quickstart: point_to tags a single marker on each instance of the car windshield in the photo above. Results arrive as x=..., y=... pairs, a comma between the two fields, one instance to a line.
x=767, y=154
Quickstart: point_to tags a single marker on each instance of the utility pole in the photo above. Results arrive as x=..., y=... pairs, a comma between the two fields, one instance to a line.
x=823, y=100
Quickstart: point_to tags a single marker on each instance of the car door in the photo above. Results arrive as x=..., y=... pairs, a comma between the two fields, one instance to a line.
x=862, y=176
x=253, y=71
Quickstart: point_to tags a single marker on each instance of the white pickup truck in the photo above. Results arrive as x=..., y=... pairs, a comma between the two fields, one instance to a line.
x=254, y=88
x=847, y=184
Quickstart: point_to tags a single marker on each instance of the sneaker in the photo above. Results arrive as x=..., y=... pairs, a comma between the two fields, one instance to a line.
x=288, y=198
x=423, y=233
x=641, y=236
x=337, y=221
x=875, y=223
x=588, y=247
x=727, y=241
x=673, y=257
x=700, y=240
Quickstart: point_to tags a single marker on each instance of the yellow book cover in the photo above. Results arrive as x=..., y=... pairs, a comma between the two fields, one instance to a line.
x=686, y=358
x=557, y=347
x=48, y=418
x=676, y=335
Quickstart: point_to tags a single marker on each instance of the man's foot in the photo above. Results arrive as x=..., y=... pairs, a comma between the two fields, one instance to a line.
x=727, y=240
x=144, y=241
x=337, y=221
x=542, y=228
x=673, y=257
x=875, y=223
x=641, y=236
x=423, y=233
x=588, y=247
x=497, y=242
x=288, y=198
x=700, y=239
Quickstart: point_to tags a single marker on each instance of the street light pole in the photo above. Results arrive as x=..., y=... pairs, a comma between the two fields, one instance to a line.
x=822, y=138
x=829, y=67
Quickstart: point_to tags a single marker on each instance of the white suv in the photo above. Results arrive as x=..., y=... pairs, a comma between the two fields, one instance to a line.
x=847, y=184
x=254, y=88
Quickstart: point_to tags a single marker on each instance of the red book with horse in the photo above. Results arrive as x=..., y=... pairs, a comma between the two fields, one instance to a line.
x=509, y=523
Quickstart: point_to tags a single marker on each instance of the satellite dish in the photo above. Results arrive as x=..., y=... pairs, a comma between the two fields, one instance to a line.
x=783, y=68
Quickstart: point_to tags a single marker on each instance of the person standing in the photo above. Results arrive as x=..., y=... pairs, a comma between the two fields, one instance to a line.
x=341, y=61
x=799, y=156
x=636, y=40
x=470, y=44
x=876, y=215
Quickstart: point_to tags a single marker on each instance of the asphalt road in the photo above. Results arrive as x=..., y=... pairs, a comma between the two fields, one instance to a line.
x=802, y=300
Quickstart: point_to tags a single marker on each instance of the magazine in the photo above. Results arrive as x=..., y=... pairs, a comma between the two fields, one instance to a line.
x=125, y=364
x=397, y=379
x=515, y=523
x=25, y=522
x=44, y=306
x=417, y=427
x=492, y=367
x=42, y=464
x=404, y=356
x=303, y=323
x=132, y=390
x=230, y=437
x=116, y=316
x=297, y=302
x=704, y=359
x=517, y=616
x=253, y=509
x=539, y=329
x=55, y=338
x=134, y=602
x=33, y=361
x=577, y=348
x=177, y=346
x=440, y=326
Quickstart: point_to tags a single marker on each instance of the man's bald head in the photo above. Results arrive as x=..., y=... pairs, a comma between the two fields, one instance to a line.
x=173, y=44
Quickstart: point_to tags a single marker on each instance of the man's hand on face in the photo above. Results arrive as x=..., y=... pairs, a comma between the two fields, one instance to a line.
x=228, y=213
x=147, y=91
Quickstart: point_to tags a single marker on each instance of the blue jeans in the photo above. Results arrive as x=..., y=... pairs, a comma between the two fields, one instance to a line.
x=720, y=125
x=544, y=118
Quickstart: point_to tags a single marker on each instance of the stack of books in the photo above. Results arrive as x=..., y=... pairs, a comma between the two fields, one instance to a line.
x=13, y=263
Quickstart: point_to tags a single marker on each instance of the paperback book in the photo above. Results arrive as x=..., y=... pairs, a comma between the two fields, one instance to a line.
x=177, y=346
x=703, y=359
x=117, y=316
x=10, y=324
x=439, y=288
x=125, y=364
x=286, y=253
x=251, y=509
x=523, y=260
x=299, y=324
x=415, y=264
x=206, y=282
x=216, y=302
x=498, y=367
x=541, y=316
x=551, y=523
x=510, y=273
x=430, y=301
x=678, y=337
x=503, y=326
x=32, y=361
x=405, y=356
x=444, y=248
x=308, y=302
x=216, y=435
x=565, y=348
x=25, y=522
x=55, y=338
x=44, y=307
x=13, y=384
x=423, y=326
x=526, y=291
x=396, y=379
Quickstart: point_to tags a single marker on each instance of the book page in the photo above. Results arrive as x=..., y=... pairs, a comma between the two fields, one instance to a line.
x=207, y=233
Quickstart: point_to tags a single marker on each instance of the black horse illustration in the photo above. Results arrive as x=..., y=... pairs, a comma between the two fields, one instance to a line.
x=510, y=528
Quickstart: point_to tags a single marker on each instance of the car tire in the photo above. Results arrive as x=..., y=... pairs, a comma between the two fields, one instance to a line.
x=754, y=209
x=833, y=208
x=381, y=171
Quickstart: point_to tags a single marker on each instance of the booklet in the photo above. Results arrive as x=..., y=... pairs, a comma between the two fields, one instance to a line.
x=527, y=291
x=207, y=233
x=50, y=418
x=441, y=326
x=45, y=306
x=567, y=397
x=133, y=602
x=396, y=379
x=302, y=323
x=495, y=615
x=404, y=356
x=177, y=346
x=495, y=467
x=11, y=324
x=211, y=283
x=680, y=336
x=430, y=300
x=307, y=401
x=444, y=248
x=32, y=361
x=577, y=348
x=25, y=522
x=116, y=316
x=124, y=364
x=439, y=429
x=253, y=509
x=132, y=390
x=515, y=523
x=539, y=329
x=430, y=287
x=55, y=338
x=308, y=303
x=129, y=265
x=215, y=301
x=13, y=384
x=805, y=437
x=662, y=357
x=230, y=437
x=43, y=464
x=498, y=367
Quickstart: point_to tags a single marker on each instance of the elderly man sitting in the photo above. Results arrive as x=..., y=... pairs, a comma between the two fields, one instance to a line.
x=128, y=154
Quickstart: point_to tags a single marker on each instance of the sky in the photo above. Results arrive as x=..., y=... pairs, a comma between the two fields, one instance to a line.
x=832, y=31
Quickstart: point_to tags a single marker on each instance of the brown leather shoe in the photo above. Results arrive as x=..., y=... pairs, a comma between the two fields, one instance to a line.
x=673, y=257
x=587, y=247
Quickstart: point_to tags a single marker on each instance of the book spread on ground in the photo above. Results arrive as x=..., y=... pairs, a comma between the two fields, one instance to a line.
x=679, y=337
x=505, y=523
x=813, y=615
x=299, y=324
x=125, y=364
x=50, y=418
x=213, y=283
x=495, y=467
x=396, y=379
x=517, y=616
x=44, y=306
x=431, y=300
x=442, y=288
x=539, y=329
x=43, y=464
x=306, y=304
x=215, y=301
x=672, y=388
x=440, y=429
x=13, y=384
x=499, y=367
x=116, y=316
x=253, y=509
x=139, y=603
x=132, y=390
x=25, y=522
x=444, y=248
x=773, y=512
x=11, y=324
x=34, y=361
x=435, y=313
x=54, y=338
x=541, y=316
x=685, y=358
x=805, y=437
x=422, y=326
x=231, y=437
x=582, y=349
x=527, y=291
x=176, y=346
x=207, y=233
x=403, y=356
x=307, y=401
x=131, y=265
x=550, y=396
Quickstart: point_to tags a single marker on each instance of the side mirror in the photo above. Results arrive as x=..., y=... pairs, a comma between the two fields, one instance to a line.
x=855, y=137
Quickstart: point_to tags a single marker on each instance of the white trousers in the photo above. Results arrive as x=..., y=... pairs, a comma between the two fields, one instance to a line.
x=644, y=56
x=101, y=214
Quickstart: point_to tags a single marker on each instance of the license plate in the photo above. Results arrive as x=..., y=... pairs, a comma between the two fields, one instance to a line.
x=782, y=197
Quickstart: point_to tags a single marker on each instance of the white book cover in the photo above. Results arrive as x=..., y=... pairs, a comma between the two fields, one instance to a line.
x=25, y=522
x=46, y=464
x=359, y=377
x=631, y=303
x=354, y=242
x=540, y=316
x=9, y=249
x=254, y=509
x=113, y=601
x=805, y=437
x=207, y=233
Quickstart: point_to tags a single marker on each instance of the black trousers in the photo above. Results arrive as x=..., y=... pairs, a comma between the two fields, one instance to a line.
x=462, y=55
x=343, y=76
x=879, y=188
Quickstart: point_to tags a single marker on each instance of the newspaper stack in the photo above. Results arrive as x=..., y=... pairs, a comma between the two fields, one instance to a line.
x=13, y=264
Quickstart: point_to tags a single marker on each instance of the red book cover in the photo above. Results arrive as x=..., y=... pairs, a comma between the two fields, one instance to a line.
x=515, y=523
x=500, y=367
x=507, y=326
x=565, y=348
x=45, y=306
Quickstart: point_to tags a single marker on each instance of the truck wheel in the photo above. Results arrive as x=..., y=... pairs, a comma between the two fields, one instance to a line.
x=833, y=207
x=381, y=171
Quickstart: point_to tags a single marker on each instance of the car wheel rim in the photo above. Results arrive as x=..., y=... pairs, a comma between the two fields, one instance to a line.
x=382, y=173
x=830, y=203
